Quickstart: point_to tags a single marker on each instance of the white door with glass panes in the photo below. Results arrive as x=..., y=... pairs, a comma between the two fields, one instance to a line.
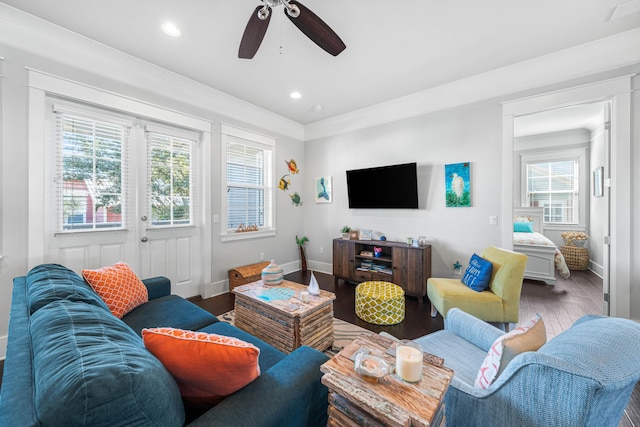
x=170, y=243
x=120, y=189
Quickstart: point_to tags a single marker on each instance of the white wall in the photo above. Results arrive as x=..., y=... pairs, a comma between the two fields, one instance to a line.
x=465, y=134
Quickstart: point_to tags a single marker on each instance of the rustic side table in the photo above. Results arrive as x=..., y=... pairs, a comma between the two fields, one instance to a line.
x=286, y=324
x=390, y=401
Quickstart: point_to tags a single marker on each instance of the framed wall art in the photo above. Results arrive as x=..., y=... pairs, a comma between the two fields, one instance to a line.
x=323, y=189
x=458, y=185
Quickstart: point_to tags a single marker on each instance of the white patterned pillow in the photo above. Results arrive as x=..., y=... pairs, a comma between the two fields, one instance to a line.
x=528, y=337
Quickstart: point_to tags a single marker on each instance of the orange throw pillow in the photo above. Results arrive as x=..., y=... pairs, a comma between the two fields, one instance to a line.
x=118, y=286
x=207, y=367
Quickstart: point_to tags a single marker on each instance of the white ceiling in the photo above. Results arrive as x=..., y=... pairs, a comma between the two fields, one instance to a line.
x=393, y=48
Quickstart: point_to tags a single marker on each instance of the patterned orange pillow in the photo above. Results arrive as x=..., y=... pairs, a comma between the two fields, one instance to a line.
x=118, y=286
x=207, y=367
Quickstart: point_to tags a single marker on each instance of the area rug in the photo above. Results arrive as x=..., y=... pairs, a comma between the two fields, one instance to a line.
x=343, y=332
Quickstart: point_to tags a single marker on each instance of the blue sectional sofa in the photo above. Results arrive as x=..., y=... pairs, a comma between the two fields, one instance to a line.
x=71, y=362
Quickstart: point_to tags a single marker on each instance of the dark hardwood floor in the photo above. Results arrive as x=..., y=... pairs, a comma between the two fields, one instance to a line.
x=559, y=306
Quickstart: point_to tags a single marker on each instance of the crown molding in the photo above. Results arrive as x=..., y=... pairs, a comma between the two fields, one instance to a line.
x=602, y=55
x=39, y=37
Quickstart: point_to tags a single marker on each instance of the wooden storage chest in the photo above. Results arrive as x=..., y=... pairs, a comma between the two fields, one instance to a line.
x=246, y=274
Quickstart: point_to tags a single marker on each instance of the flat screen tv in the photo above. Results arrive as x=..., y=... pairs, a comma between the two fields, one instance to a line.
x=385, y=187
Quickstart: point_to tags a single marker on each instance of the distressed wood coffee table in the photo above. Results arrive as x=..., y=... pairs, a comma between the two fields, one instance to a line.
x=286, y=324
x=389, y=402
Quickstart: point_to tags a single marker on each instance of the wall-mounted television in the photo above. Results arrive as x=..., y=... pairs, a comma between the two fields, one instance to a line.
x=385, y=187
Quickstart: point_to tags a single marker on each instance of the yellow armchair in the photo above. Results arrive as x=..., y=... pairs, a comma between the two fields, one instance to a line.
x=500, y=303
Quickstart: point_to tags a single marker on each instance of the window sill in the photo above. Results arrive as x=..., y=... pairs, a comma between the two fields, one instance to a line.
x=565, y=227
x=228, y=237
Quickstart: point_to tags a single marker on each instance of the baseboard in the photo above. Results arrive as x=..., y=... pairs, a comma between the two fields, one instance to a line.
x=597, y=269
x=322, y=267
x=222, y=286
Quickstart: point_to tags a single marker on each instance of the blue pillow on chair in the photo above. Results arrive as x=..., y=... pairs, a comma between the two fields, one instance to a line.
x=478, y=273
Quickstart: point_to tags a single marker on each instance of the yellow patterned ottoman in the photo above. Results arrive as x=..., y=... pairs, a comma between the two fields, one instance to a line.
x=380, y=303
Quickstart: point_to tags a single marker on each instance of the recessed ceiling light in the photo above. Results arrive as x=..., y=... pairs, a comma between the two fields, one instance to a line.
x=295, y=95
x=318, y=107
x=170, y=29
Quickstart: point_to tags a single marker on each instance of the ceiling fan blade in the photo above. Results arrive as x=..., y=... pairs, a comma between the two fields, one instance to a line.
x=316, y=29
x=253, y=34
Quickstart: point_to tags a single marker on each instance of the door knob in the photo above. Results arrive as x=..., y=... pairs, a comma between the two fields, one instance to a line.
x=144, y=239
x=143, y=218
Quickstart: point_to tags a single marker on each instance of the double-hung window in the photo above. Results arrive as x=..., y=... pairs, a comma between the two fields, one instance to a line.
x=91, y=171
x=555, y=183
x=248, y=182
x=170, y=178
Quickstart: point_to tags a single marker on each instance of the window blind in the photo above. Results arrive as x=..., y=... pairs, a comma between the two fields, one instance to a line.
x=249, y=189
x=91, y=172
x=554, y=186
x=170, y=179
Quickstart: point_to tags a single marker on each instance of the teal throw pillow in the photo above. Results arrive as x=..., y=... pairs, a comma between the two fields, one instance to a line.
x=478, y=273
x=523, y=227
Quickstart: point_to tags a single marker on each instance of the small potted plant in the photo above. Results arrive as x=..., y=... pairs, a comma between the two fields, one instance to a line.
x=345, y=230
x=301, y=241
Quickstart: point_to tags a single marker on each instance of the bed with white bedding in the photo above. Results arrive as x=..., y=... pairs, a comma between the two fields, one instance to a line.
x=544, y=257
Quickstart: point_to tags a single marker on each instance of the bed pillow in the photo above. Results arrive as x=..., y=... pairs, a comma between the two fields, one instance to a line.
x=523, y=227
x=528, y=337
x=118, y=286
x=523, y=219
x=207, y=367
x=478, y=273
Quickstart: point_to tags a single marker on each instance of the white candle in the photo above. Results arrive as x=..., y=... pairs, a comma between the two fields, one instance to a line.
x=409, y=363
x=304, y=296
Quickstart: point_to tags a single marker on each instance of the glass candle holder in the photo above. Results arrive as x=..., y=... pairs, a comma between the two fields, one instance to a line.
x=370, y=368
x=409, y=361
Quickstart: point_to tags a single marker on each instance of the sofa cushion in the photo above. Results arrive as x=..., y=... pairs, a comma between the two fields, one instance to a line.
x=529, y=337
x=478, y=273
x=95, y=364
x=52, y=282
x=168, y=311
x=207, y=367
x=118, y=286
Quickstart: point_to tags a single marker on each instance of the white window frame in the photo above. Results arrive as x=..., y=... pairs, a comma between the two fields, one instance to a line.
x=231, y=133
x=579, y=154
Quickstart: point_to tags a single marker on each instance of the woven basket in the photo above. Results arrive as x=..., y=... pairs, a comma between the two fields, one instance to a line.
x=576, y=258
x=246, y=274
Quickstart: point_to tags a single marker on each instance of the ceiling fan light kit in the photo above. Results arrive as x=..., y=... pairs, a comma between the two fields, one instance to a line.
x=308, y=22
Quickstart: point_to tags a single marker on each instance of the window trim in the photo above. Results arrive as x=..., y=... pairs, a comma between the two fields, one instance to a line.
x=258, y=140
x=579, y=154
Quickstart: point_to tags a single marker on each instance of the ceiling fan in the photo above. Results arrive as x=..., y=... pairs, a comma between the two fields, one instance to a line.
x=306, y=21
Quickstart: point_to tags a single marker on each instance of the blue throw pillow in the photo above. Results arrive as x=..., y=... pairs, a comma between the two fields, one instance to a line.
x=478, y=273
x=523, y=227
